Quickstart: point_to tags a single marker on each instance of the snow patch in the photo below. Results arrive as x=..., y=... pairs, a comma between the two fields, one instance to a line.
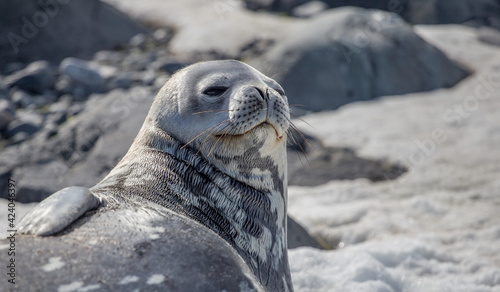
x=54, y=264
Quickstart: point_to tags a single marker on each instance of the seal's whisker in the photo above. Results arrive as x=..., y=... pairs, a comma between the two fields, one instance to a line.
x=300, y=119
x=301, y=148
x=204, y=141
x=294, y=127
x=190, y=141
x=215, y=144
x=298, y=105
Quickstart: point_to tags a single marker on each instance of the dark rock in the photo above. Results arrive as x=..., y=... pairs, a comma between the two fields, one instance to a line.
x=44, y=99
x=443, y=11
x=83, y=73
x=12, y=67
x=36, y=78
x=21, y=98
x=19, y=138
x=121, y=80
x=7, y=113
x=56, y=118
x=18, y=126
x=485, y=12
x=52, y=30
x=310, y=163
x=298, y=236
x=355, y=54
x=4, y=93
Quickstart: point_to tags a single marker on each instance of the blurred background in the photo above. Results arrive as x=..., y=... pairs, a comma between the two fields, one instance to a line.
x=398, y=183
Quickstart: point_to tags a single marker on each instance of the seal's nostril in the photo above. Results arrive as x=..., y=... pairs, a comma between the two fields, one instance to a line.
x=262, y=94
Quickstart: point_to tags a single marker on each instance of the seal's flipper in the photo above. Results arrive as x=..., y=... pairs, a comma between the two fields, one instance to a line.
x=58, y=211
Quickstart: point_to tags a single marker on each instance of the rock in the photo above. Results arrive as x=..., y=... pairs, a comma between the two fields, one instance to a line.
x=309, y=9
x=12, y=67
x=83, y=73
x=18, y=126
x=21, y=98
x=7, y=113
x=355, y=54
x=64, y=85
x=288, y=6
x=171, y=67
x=297, y=236
x=138, y=62
x=76, y=109
x=442, y=11
x=36, y=78
x=61, y=106
x=32, y=29
x=138, y=40
x=19, y=137
x=310, y=163
x=121, y=80
x=484, y=12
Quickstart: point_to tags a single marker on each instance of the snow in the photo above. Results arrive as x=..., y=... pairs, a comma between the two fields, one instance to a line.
x=437, y=227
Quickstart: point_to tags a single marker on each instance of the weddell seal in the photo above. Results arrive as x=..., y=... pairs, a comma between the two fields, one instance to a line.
x=198, y=203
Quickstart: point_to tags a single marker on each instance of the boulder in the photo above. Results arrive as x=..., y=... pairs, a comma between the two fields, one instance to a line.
x=36, y=78
x=83, y=74
x=355, y=54
x=482, y=12
x=54, y=29
x=28, y=123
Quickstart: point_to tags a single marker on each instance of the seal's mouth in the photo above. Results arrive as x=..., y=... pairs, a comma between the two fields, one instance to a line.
x=262, y=125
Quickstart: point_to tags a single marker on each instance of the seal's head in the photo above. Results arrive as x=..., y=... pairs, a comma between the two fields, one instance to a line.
x=222, y=109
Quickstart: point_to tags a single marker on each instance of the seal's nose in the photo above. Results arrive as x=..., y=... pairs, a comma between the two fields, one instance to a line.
x=261, y=92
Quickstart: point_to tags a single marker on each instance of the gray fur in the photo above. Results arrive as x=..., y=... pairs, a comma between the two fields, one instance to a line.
x=216, y=163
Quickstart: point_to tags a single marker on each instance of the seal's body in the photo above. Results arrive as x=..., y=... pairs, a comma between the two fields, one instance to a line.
x=197, y=204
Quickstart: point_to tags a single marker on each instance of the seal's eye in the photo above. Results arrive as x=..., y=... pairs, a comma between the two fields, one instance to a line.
x=215, y=90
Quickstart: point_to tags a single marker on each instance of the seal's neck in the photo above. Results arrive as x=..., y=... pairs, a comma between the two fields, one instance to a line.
x=252, y=220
